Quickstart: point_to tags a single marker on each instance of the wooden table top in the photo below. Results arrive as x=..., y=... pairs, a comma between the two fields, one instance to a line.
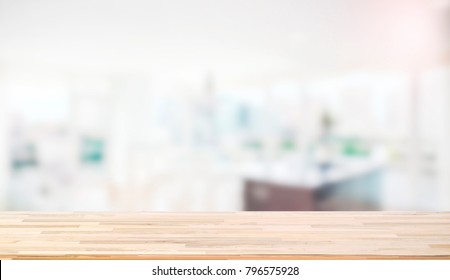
x=235, y=235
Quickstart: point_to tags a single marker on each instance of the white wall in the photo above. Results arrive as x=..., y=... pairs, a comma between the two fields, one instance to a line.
x=444, y=187
x=3, y=145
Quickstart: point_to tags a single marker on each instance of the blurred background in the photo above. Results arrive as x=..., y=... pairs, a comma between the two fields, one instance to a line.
x=224, y=105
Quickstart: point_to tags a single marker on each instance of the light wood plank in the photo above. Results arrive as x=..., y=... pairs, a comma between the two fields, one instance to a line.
x=236, y=235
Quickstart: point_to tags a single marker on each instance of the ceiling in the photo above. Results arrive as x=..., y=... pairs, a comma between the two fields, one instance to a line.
x=229, y=37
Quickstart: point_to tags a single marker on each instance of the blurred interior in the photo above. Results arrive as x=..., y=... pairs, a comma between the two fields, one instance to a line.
x=171, y=105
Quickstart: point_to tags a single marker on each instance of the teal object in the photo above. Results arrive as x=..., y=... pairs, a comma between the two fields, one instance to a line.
x=355, y=147
x=92, y=150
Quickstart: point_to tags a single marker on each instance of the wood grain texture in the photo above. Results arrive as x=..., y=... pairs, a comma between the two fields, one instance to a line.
x=237, y=235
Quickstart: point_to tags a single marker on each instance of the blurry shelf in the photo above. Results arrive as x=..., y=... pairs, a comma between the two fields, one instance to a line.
x=236, y=235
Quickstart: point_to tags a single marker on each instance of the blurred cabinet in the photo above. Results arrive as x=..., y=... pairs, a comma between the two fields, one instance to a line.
x=357, y=193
